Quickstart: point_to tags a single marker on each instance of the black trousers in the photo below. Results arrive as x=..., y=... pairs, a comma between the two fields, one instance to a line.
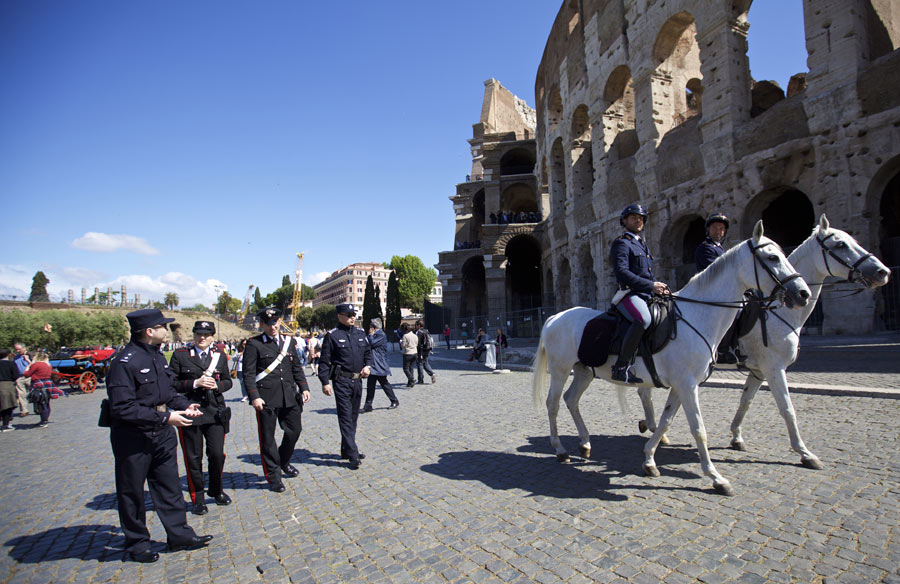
x=347, y=395
x=192, y=446
x=409, y=362
x=274, y=457
x=371, y=381
x=148, y=456
x=422, y=363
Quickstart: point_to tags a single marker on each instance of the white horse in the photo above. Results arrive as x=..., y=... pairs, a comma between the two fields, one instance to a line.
x=757, y=263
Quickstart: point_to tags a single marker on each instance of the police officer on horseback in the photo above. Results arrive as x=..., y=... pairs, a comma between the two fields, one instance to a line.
x=711, y=248
x=632, y=264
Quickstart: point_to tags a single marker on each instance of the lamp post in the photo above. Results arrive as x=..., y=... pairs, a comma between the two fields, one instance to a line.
x=218, y=289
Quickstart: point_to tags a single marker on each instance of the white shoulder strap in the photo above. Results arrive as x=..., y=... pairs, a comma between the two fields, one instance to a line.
x=274, y=364
x=213, y=361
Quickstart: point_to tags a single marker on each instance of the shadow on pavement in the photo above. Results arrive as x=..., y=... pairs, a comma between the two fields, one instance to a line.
x=103, y=543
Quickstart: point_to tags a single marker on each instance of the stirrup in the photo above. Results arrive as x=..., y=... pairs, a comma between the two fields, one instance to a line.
x=625, y=375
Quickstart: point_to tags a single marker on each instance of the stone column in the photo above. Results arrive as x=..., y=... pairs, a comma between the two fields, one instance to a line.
x=495, y=285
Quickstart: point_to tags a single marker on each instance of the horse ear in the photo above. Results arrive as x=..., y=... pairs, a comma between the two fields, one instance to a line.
x=758, y=231
x=823, y=223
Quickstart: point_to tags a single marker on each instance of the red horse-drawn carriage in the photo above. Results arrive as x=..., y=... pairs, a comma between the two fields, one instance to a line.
x=81, y=368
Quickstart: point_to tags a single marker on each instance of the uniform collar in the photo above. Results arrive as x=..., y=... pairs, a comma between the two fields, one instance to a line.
x=147, y=346
x=713, y=241
x=344, y=327
x=634, y=236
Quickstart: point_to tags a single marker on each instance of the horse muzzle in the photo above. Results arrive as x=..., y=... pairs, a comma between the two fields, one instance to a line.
x=874, y=275
x=796, y=293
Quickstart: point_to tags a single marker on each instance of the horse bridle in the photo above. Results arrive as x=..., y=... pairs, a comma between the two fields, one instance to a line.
x=855, y=274
x=779, y=284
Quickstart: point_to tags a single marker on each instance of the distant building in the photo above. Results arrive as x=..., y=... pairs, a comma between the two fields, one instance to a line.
x=437, y=293
x=349, y=285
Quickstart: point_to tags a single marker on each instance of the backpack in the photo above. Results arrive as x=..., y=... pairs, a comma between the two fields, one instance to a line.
x=428, y=340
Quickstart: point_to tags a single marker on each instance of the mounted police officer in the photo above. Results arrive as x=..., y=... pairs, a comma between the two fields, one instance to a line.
x=711, y=248
x=201, y=374
x=632, y=264
x=143, y=404
x=345, y=361
x=271, y=369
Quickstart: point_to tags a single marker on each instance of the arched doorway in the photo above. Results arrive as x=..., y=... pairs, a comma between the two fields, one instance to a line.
x=523, y=273
x=587, y=277
x=889, y=209
x=787, y=214
x=686, y=234
x=478, y=216
x=517, y=161
x=474, y=298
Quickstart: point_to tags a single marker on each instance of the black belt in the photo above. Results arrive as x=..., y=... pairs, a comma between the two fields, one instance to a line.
x=348, y=375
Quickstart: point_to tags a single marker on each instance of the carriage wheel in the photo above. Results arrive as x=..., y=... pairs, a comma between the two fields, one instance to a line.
x=87, y=382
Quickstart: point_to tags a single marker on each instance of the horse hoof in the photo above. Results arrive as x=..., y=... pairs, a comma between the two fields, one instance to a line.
x=724, y=489
x=585, y=451
x=650, y=470
x=562, y=457
x=664, y=439
x=812, y=462
x=642, y=426
x=740, y=446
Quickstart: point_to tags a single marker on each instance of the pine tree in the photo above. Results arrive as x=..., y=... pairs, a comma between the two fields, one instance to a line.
x=39, y=288
x=285, y=281
x=369, y=300
x=378, y=309
x=392, y=318
x=257, y=300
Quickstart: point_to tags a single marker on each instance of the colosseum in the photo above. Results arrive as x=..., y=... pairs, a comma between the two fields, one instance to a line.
x=653, y=101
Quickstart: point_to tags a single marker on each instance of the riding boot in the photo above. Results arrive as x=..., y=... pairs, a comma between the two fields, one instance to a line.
x=630, y=342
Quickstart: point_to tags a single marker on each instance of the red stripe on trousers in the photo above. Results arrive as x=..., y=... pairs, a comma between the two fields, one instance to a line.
x=187, y=467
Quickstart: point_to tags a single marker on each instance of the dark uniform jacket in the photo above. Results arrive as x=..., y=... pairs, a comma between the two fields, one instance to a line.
x=138, y=381
x=706, y=253
x=185, y=365
x=632, y=264
x=276, y=388
x=346, y=349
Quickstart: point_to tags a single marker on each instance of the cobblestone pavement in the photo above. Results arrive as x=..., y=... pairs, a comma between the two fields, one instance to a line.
x=461, y=485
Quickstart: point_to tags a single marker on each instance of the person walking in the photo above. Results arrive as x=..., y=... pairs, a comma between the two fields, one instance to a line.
x=201, y=374
x=423, y=350
x=447, y=335
x=271, y=370
x=9, y=373
x=380, y=371
x=143, y=404
x=23, y=384
x=237, y=365
x=346, y=360
x=42, y=386
x=409, y=346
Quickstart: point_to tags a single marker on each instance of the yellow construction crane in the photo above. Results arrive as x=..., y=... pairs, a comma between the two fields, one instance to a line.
x=245, y=305
x=292, y=325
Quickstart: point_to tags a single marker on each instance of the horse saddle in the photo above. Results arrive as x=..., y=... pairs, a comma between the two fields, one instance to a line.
x=603, y=334
x=746, y=319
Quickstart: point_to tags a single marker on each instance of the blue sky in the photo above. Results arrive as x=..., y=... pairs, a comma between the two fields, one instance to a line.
x=174, y=146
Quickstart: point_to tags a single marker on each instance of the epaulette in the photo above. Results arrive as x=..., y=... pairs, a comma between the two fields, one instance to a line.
x=124, y=358
x=332, y=330
x=181, y=350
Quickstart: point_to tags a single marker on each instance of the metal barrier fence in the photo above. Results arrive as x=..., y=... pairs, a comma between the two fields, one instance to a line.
x=518, y=323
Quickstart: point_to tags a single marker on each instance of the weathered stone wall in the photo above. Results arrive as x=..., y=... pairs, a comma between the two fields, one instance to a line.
x=672, y=121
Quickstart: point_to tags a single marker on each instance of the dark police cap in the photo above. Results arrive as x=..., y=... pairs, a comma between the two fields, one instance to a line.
x=346, y=309
x=269, y=315
x=146, y=318
x=204, y=326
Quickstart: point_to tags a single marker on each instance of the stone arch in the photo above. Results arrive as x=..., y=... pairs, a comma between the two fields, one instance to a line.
x=587, y=277
x=787, y=214
x=582, y=167
x=882, y=27
x=678, y=56
x=679, y=243
x=523, y=273
x=519, y=197
x=477, y=229
x=884, y=196
x=473, y=297
x=558, y=195
x=554, y=110
x=619, y=134
x=517, y=161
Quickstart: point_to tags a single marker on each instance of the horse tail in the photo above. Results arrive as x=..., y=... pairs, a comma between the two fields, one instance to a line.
x=539, y=374
x=623, y=405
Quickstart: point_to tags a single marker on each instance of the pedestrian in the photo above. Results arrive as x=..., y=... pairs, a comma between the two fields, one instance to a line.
x=143, y=404
x=237, y=367
x=380, y=371
x=42, y=386
x=501, y=339
x=23, y=384
x=481, y=341
x=409, y=345
x=346, y=360
x=201, y=374
x=711, y=247
x=447, y=335
x=9, y=373
x=424, y=348
x=314, y=346
x=632, y=264
x=271, y=370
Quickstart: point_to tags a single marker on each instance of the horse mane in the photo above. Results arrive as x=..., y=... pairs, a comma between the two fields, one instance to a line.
x=725, y=263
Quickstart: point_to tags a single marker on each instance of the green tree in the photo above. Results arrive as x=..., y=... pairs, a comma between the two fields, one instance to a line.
x=306, y=292
x=369, y=301
x=285, y=280
x=392, y=313
x=69, y=328
x=39, y=288
x=199, y=307
x=280, y=298
x=415, y=281
x=159, y=305
x=171, y=300
x=228, y=304
x=378, y=303
x=257, y=301
x=325, y=317
x=305, y=317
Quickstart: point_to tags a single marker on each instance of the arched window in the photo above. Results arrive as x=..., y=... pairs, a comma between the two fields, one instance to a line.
x=678, y=56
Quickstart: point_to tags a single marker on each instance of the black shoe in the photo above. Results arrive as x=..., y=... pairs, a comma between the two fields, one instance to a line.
x=195, y=543
x=222, y=499
x=276, y=487
x=367, y=408
x=199, y=508
x=420, y=382
x=144, y=557
x=726, y=358
x=624, y=375
x=354, y=464
x=393, y=405
x=410, y=385
x=289, y=471
x=346, y=457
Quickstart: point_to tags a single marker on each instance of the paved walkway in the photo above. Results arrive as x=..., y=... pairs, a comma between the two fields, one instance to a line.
x=461, y=485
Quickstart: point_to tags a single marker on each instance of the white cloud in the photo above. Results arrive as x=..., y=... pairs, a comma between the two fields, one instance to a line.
x=316, y=278
x=78, y=277
x=15, y=280
x=190, y=290
x=106, y=242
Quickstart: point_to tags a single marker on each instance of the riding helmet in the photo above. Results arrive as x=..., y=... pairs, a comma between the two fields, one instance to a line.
x=633, y=209
x=718, y=218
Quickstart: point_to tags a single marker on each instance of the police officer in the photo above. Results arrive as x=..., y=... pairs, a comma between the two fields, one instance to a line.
x=711, y=248
x=271, y=369
x=344, y=362
x=143, y=404
x=632, y=264
x=202, y=375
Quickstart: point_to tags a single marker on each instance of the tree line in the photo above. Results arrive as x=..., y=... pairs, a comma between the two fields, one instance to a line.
x=68, y=328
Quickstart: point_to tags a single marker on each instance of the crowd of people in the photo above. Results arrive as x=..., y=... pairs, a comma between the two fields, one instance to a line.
x=506, y=217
